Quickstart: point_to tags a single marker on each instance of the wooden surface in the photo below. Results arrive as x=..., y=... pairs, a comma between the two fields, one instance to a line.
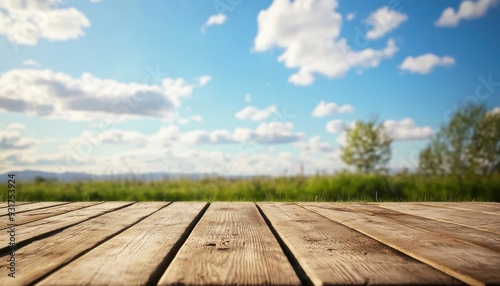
x=161, y=243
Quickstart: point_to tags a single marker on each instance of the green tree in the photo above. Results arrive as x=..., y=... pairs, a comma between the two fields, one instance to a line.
x=486, y=143
x=468, y=144
x=431, y=161
x=368, y=147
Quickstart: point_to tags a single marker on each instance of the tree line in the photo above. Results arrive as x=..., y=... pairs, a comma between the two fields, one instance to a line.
x=468, y=144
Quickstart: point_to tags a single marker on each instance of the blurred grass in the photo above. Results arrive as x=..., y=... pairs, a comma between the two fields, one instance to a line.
x=338, y=187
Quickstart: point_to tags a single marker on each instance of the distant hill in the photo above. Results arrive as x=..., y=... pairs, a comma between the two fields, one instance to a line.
x=29, y=175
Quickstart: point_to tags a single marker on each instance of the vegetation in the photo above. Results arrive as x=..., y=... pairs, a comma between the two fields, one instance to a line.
x=461, y=163
x=368, y=147
x=339, y=187
x=468, y=145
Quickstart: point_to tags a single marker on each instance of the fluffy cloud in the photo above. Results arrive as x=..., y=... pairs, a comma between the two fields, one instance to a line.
x=314, y=145
x=255, y=114
x=406, y=129
x=383, y=21
x=468, y=10
x=308, y=31
x=217, y=19
x=350, y=16
x=11, y=139
x=57, y=95
x=335, y=126
x=425, y=63
x=26, y=21
x=266, y=133
x=329, y=108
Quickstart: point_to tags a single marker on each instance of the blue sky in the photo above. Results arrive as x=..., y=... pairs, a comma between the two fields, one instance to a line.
x=233, y=86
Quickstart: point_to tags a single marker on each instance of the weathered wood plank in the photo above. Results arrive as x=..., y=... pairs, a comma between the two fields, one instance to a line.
x=481, y=221
x=466, y=206
x=331, y=253
x=6, y=204
x=231, y=244
x=468, y=263
x=41, y=257
x=29, y=207
x=38, y=214
x=38, y=228
x=135, y=256
x=446, y=230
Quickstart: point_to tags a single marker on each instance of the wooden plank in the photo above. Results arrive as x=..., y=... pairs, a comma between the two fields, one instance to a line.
x=29, y=207
x=481, y=221
x=6, y=204
x=41, y=257
x=470, y=264
x=331, y=253
x=457, y=232
x=39, y=214
x=465, y=206
x=32, y=230
x=137, y=255
x=231, y=244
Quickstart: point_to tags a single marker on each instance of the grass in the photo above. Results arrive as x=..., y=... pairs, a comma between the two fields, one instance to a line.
x=338, y=187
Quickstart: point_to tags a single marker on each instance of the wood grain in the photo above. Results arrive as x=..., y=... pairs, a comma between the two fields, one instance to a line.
x=5, y=204
x=29, y=207
x=231, y=244
x=470, y=264
x=446, y=230
x=41, y=213
x=43, y=256
x=331, y=253
x=133, y=256
x=38, y=228
x=466, y=206
x=481, y=221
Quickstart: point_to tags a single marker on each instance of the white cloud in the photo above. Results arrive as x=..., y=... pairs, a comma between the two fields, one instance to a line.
x=204, y=80
x=255, y=114
x=31, y=63
x=11, y=139
x=335, y=126
x=193, y=118
x=47, y=93
x=26, y=21
x=16, y=126
x=425, y=63
x=329, y=108
x=350, y=16
x=383, y=21
x=308, y=31
x=468, y=10
x=217, y=19
x=208, y=137
x=406, y=129
x=314, y=145
x=248, y=97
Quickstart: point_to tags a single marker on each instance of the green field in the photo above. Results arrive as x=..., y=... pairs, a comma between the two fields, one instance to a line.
x=338, y=187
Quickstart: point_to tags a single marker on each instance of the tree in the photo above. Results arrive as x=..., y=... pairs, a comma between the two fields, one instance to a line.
x=431, y=161
x=486, y=143
x=468, y=144
x=368, y=147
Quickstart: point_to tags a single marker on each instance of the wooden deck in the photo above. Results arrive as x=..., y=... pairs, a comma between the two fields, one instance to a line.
x=162, y=243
